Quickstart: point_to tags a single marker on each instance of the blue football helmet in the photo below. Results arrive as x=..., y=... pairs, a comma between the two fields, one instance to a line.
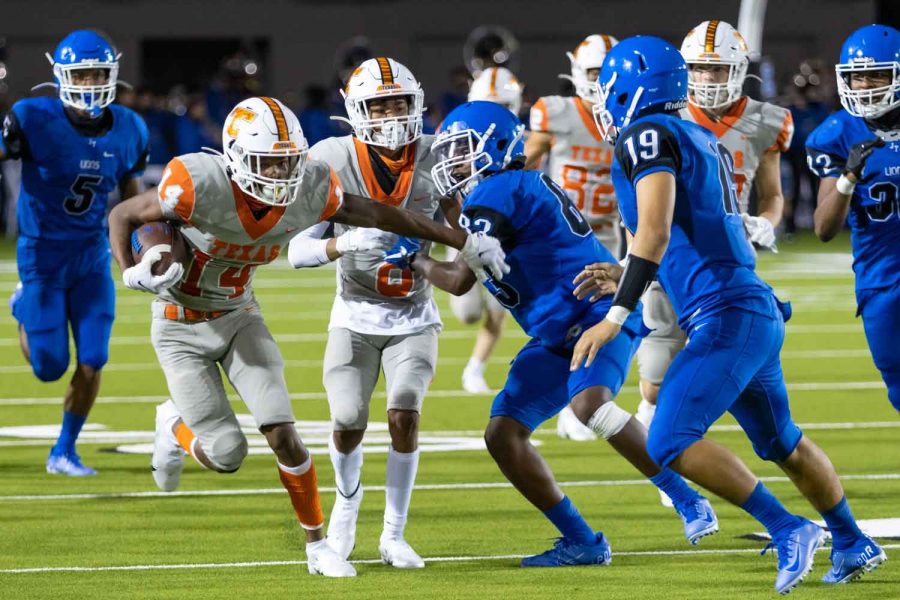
x=870, y=48
x=82, y=50
x=640, y=74
x=475, y=139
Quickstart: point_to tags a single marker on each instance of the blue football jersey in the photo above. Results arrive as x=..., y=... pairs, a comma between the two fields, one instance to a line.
x=547, y=243
x=709, y=264
x=874, y=215
x=66, y=175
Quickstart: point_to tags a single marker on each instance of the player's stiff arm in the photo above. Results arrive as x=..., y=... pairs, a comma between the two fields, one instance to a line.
x=236, y=212
x=548, y=240
x=676, y=194
x=856, y=153
x=75, y=150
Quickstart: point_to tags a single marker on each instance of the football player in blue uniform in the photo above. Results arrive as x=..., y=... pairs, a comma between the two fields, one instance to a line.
x=546, y=240
x=75, y=149
x=676, y=194
x=856, y=153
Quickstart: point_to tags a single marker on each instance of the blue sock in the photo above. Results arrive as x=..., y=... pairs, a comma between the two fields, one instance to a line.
x=769, y=511
x=570, y=523
x=674, y=486
x=71, y=427
x=843, y=527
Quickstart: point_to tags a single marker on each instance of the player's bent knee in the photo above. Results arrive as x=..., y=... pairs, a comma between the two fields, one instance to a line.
x=467, y=308
x=48, y=366
x=347, y=418
x=403, y=420
x=227, y=452
x=662, y=446
x=608, y=420
x=778, y=448
x=96, y=359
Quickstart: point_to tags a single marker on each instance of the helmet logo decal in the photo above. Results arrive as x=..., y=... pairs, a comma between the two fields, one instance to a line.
x=239, y=115
x=280, y=122
x=607, y=42
x=387, y=77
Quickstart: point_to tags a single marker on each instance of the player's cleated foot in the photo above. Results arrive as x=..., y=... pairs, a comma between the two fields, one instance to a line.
x=568, y=553
x=168, y=456
x=699, y=519
x=796, y=553
x=399, y=554
x=847, y=565
x=15, y=296
x=342, y=524
x=569, y=427
x=69, y=464
x=473, y=381
x=322, y=560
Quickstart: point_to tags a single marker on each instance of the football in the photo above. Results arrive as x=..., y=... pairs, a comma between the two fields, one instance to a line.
x=153, y=234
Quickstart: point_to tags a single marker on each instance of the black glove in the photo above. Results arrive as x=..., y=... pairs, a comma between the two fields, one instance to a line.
x=859, y=154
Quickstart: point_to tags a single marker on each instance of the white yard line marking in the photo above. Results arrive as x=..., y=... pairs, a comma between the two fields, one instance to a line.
x=54, y=400
x=494, y=485
x=431, y=559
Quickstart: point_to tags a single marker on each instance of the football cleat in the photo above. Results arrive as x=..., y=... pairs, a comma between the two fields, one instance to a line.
x=322, y=560
x=569, y=427
x=699, y=519
x=68, y=464
x=14, y=297
x=796, y=553
x=474, y=383
x=399, y=554
x=168, y=456
x=342, y=524
x=847, y=565
x=569, y=553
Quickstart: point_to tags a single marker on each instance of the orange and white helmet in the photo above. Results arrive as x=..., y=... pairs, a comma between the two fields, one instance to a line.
x=589, y=54
x=498, y=85
x=257, y=132
x=383, y=78
x=716, y=43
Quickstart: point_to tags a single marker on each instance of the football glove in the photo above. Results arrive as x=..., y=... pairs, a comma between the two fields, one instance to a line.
x=483, y=252
x=760, y=231
x=403, y=252
x=358, y=239
x=859, y=154
x=140, y=277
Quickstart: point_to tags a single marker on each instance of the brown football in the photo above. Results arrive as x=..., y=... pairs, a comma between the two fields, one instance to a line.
x=152, y=234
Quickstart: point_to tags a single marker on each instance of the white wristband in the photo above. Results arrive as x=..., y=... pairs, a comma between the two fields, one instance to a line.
x=845, y=186
x=617, y=315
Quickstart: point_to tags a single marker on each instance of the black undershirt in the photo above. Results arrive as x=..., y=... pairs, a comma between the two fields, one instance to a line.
x=386, y=180
x=87, y=126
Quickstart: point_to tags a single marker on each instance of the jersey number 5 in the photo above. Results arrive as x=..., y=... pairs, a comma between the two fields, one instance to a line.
x=82, y=194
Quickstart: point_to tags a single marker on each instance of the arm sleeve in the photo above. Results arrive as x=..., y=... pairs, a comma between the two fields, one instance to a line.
x=176, y=192
x=648, y=148
x=14, y=144
x=307, y=248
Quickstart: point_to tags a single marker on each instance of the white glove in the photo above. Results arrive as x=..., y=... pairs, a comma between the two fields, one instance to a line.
x=483, y=251
x=359, y=239
x=760, y=231
x=141, y=278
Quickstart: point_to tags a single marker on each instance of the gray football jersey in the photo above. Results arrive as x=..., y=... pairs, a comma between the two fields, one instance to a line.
x=365, y=276
x=748, y=130
x=226, y=240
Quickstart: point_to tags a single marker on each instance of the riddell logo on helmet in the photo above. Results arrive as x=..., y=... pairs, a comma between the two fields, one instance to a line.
x=678, y=105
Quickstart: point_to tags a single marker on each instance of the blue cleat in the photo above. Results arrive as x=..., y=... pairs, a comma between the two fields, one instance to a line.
x=796, y=552
x=568, y=553
x=68, y=464
x=847, y=565
x=699, y=519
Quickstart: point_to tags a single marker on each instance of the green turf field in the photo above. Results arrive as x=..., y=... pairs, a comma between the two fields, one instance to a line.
x=235, y=536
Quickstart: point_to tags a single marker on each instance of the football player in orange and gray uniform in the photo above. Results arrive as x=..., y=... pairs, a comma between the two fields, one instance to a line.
x=755, y=134
x=579, y=160
x=236, y=212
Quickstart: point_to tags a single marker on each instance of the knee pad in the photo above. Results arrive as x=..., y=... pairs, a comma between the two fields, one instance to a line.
x=48, y=365
x=347, y=416
x=609, y=420
x=781, y=446
x=467, y=308
x=227, y=452
x=95, y=358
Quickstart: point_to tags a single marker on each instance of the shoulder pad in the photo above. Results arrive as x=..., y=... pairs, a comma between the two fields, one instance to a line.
x=778, y=124
x=546, y=113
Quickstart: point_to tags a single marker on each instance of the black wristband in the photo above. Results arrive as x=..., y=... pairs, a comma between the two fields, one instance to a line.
x=638, y=275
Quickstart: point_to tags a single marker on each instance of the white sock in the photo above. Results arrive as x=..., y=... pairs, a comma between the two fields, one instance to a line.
x=347, y=468
x=299, y=469
x=401, y=475
x=645, y=412
x=475, y=365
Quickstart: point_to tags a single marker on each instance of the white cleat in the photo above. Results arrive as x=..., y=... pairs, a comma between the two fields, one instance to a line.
x=474, y=383
x=322, y=560
x=168, y=456
x=342, y=524
x=399, y=554
x=665, y=500
x=569, y=427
